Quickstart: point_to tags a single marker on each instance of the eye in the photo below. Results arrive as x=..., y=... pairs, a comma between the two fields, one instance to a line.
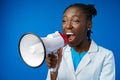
x=76, y=21
x=63, y=21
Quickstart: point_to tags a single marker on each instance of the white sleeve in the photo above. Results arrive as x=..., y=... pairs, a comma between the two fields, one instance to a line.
x=108, y=70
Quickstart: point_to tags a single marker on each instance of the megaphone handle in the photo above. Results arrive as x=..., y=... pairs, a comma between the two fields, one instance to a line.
x=53, y=69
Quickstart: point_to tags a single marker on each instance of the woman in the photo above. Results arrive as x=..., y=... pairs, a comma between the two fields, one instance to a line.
x=82, y=58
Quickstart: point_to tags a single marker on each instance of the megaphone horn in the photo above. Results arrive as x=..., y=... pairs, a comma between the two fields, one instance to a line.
x=34, y=48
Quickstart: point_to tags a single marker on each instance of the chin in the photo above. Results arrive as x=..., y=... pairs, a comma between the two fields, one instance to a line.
x=71, y=45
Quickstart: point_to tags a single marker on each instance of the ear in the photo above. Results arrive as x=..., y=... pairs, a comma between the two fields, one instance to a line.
x=89, y=24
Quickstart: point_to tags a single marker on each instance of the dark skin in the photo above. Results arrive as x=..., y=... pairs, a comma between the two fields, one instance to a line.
x=74, y=21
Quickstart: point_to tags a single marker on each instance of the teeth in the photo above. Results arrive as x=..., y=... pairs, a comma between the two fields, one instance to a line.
x=69, y=33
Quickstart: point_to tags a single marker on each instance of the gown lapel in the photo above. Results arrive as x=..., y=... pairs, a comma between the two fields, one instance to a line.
x=68, y=60
x=86, y=59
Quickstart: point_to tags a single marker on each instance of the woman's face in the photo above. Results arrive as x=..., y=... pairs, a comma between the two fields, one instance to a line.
x=75, y=25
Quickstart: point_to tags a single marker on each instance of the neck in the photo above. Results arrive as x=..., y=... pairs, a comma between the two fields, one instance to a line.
x=83, y=46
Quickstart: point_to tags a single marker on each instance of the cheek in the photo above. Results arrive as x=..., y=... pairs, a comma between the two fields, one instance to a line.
x=82, y=32
x=63, y=28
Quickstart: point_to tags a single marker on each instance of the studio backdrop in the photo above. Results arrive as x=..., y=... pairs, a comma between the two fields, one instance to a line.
x=42, y=17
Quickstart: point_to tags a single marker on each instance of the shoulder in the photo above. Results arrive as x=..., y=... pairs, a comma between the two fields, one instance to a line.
x=97, y=48
x=101, y=51
x=105, y=50
x=108, y=54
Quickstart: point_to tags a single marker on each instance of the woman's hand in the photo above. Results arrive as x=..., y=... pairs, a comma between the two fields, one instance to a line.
x=54, y=59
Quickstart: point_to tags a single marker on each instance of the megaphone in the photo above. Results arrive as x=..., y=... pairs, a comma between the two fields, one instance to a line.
x=33, y=48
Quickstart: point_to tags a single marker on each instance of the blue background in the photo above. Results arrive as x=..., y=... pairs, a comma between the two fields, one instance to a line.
x=43, y=17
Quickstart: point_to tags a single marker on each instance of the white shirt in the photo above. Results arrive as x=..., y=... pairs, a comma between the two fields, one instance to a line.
x=97, y=64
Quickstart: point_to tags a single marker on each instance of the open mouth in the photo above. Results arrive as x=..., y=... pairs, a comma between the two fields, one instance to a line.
x=70, y=36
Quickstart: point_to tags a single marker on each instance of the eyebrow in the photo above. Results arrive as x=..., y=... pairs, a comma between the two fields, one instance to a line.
x=73, y=16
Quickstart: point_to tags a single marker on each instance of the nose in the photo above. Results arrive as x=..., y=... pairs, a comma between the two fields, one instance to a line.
x=69, y=25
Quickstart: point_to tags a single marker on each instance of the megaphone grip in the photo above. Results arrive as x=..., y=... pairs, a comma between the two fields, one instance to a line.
x=53, y=69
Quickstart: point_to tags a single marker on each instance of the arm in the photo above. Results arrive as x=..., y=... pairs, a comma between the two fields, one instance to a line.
x=108, y=70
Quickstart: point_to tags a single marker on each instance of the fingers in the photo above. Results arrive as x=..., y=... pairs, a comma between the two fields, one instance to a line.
x=51, y=60
x=54, y=59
